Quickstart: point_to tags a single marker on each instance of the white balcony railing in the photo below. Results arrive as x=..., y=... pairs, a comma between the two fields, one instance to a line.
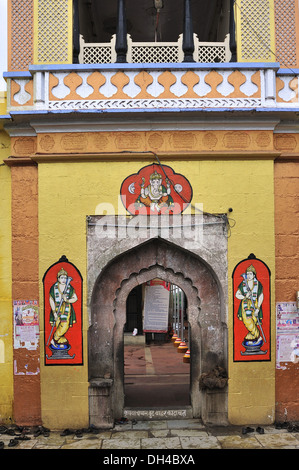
x=163, y=87
x=155, y=52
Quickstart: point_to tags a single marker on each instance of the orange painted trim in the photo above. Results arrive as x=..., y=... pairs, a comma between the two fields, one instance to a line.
x=15, y=88
x=144, y=79
x=293, y=84
x=195, y=142
x=19, y=10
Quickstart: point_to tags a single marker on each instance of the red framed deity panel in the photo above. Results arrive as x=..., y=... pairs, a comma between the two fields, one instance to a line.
x=251, y=310
x=156, y=189
x=63, y=314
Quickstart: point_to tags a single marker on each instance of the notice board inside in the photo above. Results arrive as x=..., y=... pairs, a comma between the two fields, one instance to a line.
x=156, y=306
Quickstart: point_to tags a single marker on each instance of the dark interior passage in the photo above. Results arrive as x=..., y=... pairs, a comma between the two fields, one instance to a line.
x=156, y=372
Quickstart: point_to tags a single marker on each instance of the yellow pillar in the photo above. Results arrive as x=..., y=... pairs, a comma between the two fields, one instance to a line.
x=255, y=30
x=6, y=317
x=53, y=38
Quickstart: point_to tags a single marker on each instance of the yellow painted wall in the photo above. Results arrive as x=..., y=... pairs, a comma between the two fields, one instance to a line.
x=68, y=192
x=6, y=347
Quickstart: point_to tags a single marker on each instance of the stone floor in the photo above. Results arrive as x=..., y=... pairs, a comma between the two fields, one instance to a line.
x=165, y=435
x=156, y=371
x=155, y=375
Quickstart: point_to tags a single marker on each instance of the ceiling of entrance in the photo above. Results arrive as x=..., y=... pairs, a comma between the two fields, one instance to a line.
x=98, y=19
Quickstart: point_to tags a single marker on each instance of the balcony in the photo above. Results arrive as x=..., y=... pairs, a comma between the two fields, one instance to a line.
x=152, y=87
x=155, y=52
x=153, y=31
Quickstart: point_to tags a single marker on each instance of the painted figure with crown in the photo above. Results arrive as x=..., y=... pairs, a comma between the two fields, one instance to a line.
x=250, y=292
x=155, y=195
x=62, y=316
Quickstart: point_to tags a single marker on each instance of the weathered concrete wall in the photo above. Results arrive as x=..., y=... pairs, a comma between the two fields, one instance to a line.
x=206, y=238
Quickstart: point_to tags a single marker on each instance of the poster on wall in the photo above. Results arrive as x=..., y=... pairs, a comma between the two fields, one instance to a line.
x=26, y=324
x=156, y=189
x=287, y=333
x=156, y=306
x=63, y=314
x=251, y=310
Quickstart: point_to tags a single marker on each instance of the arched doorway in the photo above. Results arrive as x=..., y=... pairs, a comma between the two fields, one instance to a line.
x=156, y=347
x=161, y=259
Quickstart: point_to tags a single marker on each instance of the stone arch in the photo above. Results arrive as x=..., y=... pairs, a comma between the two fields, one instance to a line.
x=156, y=271
x=206, y=314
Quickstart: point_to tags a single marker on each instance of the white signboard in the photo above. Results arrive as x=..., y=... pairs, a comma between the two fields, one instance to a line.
x=156, y=306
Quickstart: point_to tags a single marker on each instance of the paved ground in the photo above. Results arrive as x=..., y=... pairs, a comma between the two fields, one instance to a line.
x=154, y=376
x=181, y=434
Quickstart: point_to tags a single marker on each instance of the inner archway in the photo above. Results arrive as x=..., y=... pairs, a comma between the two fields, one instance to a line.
x=156, y=347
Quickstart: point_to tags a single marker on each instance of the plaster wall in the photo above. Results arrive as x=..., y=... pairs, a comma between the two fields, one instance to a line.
x=69, y=191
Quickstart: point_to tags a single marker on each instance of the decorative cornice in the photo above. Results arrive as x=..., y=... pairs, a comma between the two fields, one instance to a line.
x=146, y=124
x=128, y=156
x=19, y=161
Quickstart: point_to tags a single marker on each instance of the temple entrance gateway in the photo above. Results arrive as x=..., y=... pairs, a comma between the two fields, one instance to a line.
x=115, y=268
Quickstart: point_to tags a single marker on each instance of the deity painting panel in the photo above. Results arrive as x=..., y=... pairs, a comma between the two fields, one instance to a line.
x=63, y=314
x=251, y=293
x=156, y=189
